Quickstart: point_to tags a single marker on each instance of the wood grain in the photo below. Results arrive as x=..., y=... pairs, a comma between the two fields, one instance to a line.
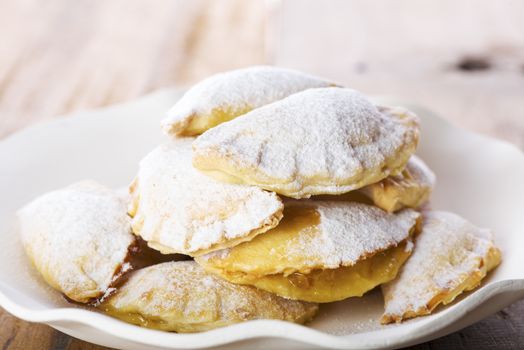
x=504, y=330
x=462, y=59
x=61, y=56
x=414, y=50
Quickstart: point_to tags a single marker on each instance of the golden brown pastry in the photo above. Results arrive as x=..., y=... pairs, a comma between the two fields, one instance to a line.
x=176, y=209
x=409, y=189
x=182, y=297
x=451, y=256
x=78, y=238
x=319, y=141
x=321, y=251
x=227, y=95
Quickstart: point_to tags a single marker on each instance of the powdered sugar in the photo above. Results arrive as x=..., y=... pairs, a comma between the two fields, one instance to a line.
x=78, y=238
x=447, y=252
x=326, y=140
x=350, y=231
x=409, y=246
x=237, y=92
x=183, y=293
x=188, y=212
x=346, y=233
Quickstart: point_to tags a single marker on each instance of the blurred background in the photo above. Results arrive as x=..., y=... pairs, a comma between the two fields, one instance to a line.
x=463, y=59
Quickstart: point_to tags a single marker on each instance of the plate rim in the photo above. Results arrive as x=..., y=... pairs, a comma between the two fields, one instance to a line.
x=259, y=328
x=262, y=328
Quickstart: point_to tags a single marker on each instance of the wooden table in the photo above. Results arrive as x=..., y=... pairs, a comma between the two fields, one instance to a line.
x=61, y=56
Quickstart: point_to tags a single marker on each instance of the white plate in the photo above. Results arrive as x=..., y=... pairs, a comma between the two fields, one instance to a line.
x=478, y=178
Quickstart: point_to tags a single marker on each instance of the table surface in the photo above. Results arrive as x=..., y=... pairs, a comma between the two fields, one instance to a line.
x=60, y=56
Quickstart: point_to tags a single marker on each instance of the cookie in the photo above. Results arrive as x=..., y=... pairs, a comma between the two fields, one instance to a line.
x=319, y=141
x=227, y=95
x=182, y=297
x=176, y=209
x=78, y=238
x=451, y=256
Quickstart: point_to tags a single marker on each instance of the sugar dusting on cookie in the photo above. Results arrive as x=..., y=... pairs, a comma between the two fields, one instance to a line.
x=447, y=252
x=237, y=92
x=347, y=233
x=325, y=140
x=78, y=237
x=350, y=231
x=184, y=296
x=187, y=211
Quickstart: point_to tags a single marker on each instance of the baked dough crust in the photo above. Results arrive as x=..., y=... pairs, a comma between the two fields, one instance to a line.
x=227, y=95
x=182, y=297
x=78, y=238
x=409, y=189
x=451, y=256
x=328, y=285
x=176, y=209
x=321, y=251
x=319, y=141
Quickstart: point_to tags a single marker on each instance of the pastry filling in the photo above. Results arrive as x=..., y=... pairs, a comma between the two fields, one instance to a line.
x=270, y=262
x=324, y=286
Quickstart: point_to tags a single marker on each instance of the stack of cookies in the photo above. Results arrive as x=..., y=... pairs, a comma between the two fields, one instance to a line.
x=285, y=190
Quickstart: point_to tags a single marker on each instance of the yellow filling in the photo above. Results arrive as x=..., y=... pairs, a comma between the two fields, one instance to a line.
x=324, y=286
x=276, y=250
x=273, y=262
